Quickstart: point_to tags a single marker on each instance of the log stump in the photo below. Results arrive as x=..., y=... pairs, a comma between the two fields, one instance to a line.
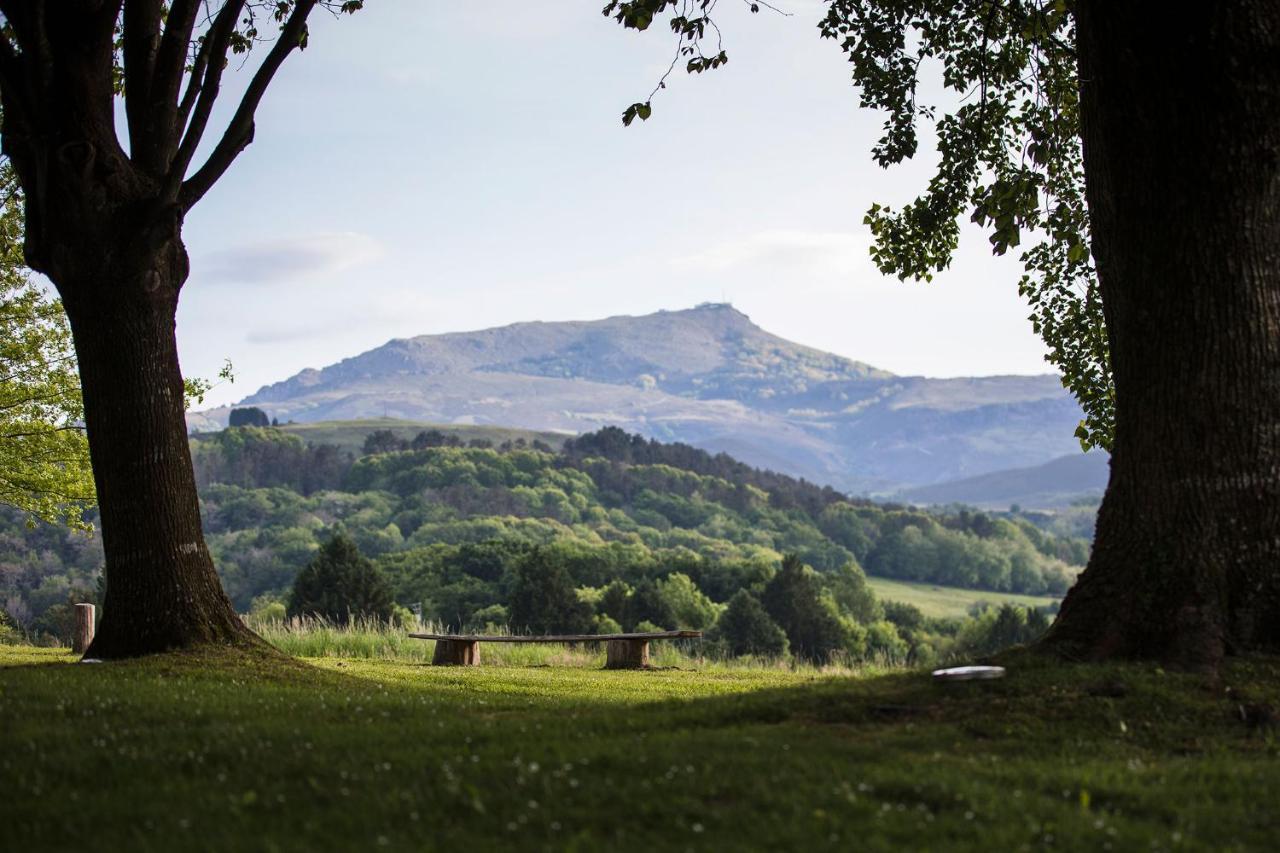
x=456, y=653
x=627, y=654
x=84, y=628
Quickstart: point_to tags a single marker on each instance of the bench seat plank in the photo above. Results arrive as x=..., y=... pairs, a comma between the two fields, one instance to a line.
x=558, y=638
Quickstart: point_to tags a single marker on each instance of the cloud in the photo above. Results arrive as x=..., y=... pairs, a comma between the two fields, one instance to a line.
x=288, y=258
x=810, y=254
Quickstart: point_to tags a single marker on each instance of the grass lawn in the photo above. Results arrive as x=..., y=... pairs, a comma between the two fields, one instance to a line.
x=231, y=752
x=934, y=600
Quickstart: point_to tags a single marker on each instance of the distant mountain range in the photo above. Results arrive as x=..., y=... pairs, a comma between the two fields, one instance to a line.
x=707, y=376
x=1054, y=484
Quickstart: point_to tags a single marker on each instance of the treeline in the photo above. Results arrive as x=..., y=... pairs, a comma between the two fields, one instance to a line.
x=772, y=612
x=610, y=508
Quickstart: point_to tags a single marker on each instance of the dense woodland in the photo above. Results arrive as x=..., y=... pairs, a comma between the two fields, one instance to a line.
x=612, y=531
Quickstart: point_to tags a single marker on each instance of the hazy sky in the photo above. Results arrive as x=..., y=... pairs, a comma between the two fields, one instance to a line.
x=431, y=166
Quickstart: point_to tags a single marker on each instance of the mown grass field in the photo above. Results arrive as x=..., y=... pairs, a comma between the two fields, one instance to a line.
x=238, y=752
x=944, y=601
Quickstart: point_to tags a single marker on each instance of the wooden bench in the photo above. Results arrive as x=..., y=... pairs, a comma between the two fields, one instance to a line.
x=623, y=651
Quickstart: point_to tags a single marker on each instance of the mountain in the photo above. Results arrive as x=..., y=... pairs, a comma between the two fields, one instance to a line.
x=1056, y=483
x=707, y=376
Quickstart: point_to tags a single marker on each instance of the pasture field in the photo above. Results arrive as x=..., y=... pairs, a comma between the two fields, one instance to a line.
x=948, y=601
x=255, y=751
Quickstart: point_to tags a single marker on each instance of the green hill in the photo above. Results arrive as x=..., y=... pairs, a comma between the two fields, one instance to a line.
x=646, y=532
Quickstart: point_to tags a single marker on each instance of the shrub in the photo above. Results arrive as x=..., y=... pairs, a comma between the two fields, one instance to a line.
x=606, y=625
x=884, y=643
x=9, y=633
x=268, y=608
x=494, y=617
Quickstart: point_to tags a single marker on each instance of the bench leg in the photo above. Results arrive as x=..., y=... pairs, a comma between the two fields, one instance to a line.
x=456, y=653
x=627, y=654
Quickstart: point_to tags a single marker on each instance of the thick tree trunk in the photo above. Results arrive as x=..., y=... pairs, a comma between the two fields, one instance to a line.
x=1181, y=124
x=162, y=591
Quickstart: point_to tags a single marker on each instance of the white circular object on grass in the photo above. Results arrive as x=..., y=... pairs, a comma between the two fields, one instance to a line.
x=968, y=673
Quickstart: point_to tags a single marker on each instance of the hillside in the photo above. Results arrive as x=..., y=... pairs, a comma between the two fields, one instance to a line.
x=451, y=525
x=1056, y=483
x=707, y=376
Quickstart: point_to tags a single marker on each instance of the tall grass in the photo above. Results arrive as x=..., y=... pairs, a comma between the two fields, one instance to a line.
x=371, y=639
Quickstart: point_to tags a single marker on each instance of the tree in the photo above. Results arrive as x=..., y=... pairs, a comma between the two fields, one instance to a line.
x=647, y=604
x=1184, y=197
x=543, y=599
x=105, y=226
x=1159, y=298
x=340, y=584
x=690, y=608
x=848, y=586
x=250, y=416
x=382, y=441
x=794, y=601
x=746, y=629
x=44, y=455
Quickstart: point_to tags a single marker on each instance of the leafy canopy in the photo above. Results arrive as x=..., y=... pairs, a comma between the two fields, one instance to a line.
x=1007, y=135
x=45, y=468
x=44, y=455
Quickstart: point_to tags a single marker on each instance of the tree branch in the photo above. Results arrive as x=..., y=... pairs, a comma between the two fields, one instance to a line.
x=205, y=90
x=194, y=84
x=141, y=42
x=166, y=80
x=239, y=132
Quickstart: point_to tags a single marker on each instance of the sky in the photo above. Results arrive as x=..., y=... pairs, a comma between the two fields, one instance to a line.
x=428, y=166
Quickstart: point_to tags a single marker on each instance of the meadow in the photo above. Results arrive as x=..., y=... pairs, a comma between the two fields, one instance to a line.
x=949, y=602
x=254, y=751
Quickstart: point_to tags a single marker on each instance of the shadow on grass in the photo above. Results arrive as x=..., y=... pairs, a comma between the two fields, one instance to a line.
x=246, y=751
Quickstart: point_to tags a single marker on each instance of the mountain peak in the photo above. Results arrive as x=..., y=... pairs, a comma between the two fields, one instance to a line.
x=706, y=375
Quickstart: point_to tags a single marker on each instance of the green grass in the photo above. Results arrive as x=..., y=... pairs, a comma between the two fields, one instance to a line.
x=373, y=640
x=244, y=752
x=350, y=435
x=946, y=601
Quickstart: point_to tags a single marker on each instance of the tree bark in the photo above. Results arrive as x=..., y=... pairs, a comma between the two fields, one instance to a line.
x=162, y=590
x=1180, y=114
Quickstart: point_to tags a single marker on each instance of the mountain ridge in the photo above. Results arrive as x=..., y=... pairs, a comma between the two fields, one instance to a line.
x=707, y=376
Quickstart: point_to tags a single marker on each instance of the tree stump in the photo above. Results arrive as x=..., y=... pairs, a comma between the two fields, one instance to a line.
x=627, y=654
x=84, y=628
x=456, y=653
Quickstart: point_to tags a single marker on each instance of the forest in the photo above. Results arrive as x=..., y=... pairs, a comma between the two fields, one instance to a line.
x=639, y=532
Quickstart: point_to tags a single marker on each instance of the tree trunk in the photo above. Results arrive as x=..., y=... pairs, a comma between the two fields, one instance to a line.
x=1180, y=113
x=162, y=590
